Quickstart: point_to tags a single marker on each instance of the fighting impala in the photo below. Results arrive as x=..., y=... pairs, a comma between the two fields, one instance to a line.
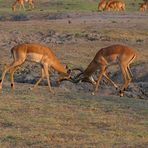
x=39, y=54
x=21, y=4
x=121, y=54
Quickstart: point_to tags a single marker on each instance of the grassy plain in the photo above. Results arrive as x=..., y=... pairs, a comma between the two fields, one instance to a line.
x=72, y=117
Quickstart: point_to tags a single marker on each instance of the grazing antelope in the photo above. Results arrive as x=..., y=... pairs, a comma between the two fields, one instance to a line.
x=21, y=4
x=120, y=54
x=31, y=3
x=35, y=53
x=101, y=5
x=18, y=2
x=115, y=5
x=143, y=6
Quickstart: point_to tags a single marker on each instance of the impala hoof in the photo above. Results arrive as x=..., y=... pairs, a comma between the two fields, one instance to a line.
x=12, y=86
x=116, y=88
x=93, y=93
x=31, y=88
x=121, y=93
x=51, y=91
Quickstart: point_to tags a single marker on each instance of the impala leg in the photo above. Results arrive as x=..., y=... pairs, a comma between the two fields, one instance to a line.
x=13, y=8
x=47, y=76
x=29, y=6
x=124, y=75
x=22, y=6
x=129, y=70
x=42, y=77
x=107, y=77
x=7, y=68
x=32, y=5
x=99, y=79
x=12, y=71
x=129, y=77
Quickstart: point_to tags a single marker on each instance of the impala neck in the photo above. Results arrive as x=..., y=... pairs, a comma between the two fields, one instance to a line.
x=92, y=67
x=59, y=67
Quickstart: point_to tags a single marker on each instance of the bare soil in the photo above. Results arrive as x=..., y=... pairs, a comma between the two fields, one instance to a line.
x=75, y=35
x=72, y=117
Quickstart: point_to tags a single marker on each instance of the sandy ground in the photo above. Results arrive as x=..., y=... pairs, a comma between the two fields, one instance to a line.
x=72, y=117
x=75, y=38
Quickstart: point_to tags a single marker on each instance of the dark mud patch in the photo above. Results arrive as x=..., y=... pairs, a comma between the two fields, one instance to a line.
x=138, y=88
x=25, y=16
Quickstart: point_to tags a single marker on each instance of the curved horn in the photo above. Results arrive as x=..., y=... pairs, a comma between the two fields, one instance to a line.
x=73, y=79
x=78, y=69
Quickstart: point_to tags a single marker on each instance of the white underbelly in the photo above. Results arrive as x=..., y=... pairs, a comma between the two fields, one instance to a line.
x=34, y=57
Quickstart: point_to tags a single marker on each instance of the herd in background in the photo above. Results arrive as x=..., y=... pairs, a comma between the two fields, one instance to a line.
x=108, y=5
x=21, y=4
x=143, y=6
x=118, y=5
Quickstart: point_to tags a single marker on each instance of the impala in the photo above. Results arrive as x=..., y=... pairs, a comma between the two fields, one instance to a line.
x=21, y=4
x=120, y=54
x=36, y=53
x=101, y=5
x=115, y=5
x=31, y=3
x=143, y=6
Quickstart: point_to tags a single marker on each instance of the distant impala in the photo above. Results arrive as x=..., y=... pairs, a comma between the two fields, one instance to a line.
x=101, y=5
x=21, y=4
x=143, y=6
x=115, y=5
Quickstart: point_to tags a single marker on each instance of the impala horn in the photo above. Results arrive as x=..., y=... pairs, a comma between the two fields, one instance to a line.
x=77, y=78
x=73, y=79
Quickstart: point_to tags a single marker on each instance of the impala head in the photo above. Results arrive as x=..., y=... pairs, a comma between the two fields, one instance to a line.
x=82, y=77
x=66, y=76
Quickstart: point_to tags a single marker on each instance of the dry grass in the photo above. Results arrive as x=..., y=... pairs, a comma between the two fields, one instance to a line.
x=73, y=119
x=39, y=119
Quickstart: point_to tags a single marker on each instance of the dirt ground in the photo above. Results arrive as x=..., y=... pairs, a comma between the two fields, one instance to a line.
x=72, y=117
x=75, y=35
